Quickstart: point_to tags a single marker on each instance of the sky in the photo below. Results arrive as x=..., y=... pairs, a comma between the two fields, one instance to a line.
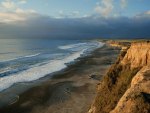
x=74, y=18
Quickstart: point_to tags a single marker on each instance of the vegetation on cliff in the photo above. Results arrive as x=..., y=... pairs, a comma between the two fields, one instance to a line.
x=118, y=80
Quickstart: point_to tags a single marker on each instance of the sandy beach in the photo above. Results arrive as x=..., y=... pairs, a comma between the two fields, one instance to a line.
x=69, y=91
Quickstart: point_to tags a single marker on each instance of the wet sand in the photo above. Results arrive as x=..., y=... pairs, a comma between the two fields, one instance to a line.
x=69, y=91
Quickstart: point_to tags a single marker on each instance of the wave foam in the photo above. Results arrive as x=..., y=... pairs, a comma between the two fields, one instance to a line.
x=71, y=46
x=37, y=72
x=52, y=66
x=28, y=56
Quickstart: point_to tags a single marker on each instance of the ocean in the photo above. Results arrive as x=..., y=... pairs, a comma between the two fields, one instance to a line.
x=26, y=60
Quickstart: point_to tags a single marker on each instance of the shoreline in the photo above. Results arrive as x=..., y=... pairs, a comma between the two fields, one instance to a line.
x=126, y=84
x=46, y=69
x=73, y=85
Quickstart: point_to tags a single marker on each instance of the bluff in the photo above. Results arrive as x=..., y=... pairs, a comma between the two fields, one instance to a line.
x=126, y=86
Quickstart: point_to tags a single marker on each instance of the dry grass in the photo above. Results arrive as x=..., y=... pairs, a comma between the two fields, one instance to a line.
x=113, y=86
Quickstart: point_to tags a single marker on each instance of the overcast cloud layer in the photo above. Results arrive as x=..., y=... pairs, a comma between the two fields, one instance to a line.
x=37, y=26
x=16, y=22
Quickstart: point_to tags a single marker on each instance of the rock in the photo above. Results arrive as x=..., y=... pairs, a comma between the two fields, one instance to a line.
x=138, y=55
x=126, y=86
x=95, y=77
x=137, y=95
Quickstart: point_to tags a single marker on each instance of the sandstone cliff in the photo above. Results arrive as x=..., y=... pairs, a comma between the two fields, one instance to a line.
x=126, y=86
x=138, y=55
x=123, y=45
x=136, y=99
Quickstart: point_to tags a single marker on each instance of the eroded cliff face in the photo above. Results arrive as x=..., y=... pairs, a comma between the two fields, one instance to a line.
x=122, y=45
x=138, y=55
x=136, y=99
x=126, y=86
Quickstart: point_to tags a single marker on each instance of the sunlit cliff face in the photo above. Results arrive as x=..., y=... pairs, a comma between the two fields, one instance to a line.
x=138, y=55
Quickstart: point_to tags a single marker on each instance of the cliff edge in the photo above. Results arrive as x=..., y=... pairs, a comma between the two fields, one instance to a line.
x=126, y=86
x=138, y=55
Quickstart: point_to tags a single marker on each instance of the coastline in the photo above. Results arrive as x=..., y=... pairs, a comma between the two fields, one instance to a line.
x=126, y=84
x=73, y=88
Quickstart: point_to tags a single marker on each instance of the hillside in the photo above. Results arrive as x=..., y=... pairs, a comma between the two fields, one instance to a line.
x=126, y=86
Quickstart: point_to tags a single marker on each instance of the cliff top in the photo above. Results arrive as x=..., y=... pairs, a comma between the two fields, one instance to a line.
x=138, y=54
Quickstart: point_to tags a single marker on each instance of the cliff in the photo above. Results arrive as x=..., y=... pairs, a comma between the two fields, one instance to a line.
x=126, y=86
x=137, y=98
x=138, y=55
x=120, y=44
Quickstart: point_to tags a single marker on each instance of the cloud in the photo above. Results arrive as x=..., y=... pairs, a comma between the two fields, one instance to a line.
x=10, y=11
x=22, y=2
x=18, y=15
x=104, y=8
x=73, y=14
x=11, y=17
x=147, y=12
x=13, y=6
x=123, y=3
x=28, y=11
x=39, y=26
x=8, y=4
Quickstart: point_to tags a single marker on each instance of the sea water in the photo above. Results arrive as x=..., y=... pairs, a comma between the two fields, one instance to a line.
x=26, y=60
